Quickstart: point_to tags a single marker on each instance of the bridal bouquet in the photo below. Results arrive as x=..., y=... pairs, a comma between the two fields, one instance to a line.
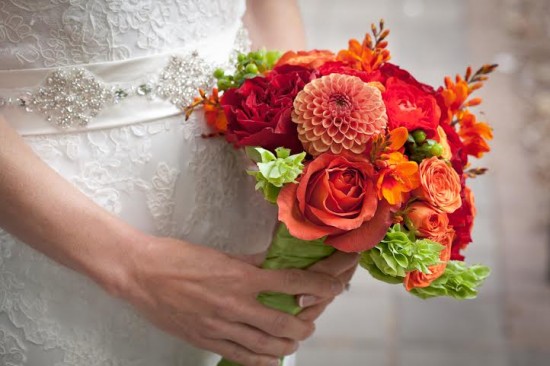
x=361, y=157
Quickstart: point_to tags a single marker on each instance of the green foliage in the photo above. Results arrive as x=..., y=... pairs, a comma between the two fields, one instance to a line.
x=458, y=281
x=274, y=171
x=398, y=253
x=248, y=66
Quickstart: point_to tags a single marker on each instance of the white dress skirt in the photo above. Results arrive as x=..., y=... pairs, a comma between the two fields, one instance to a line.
x=95, y=88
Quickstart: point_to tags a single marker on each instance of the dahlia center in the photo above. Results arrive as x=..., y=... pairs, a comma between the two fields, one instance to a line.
x=339, y=102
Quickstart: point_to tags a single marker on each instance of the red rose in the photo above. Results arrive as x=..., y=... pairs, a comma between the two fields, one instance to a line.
x=410, y=106
x=462, y=220
x=259, y=111
x=389, y=70
x=336, y=197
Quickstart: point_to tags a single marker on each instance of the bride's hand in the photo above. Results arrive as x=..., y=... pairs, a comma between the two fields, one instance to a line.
x=340, y=265
x=209, y=299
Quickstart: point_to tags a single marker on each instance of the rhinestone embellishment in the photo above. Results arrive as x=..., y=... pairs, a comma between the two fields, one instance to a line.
x=70, y=97
x=182, y=77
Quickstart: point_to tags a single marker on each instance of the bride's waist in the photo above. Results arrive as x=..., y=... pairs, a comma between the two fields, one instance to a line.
x=110, y=94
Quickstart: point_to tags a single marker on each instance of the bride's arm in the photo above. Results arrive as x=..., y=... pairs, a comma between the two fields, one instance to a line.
x=48, y=213
x=275, y=24
x=191, y=291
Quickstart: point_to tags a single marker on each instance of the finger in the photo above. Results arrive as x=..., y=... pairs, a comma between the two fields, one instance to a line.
x=336, y=264
x=306, y=300
x=252, y=259
x=275, y=322
x=239, y=354
x=347, y=276
x=255, y=340
x=295, y=282
x=313, y=312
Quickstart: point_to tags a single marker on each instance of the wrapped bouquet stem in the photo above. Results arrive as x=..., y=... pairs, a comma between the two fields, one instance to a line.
x=358, y=156
x=287, y=252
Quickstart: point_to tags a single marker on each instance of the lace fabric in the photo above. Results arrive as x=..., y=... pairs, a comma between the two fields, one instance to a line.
x=160, y=175
x=50, y=313
x=49, y=33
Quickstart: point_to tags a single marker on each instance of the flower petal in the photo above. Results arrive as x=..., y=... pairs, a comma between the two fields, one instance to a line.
x=367, y=235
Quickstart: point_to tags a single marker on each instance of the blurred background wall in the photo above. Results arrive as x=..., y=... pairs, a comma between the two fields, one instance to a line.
x=509, y=324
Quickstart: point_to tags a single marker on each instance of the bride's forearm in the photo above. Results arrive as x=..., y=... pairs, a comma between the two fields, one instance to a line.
x=50, y=214
x=275, y=24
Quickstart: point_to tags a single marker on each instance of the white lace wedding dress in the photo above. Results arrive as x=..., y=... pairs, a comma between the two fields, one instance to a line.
x=94, y=87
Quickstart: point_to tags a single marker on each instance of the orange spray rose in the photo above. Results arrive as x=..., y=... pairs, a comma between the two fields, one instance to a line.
x=427, y=221
x=439, y=185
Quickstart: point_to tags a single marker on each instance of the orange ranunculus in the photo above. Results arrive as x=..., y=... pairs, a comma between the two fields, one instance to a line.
x=336, y=197
x=474, y=135
x=439, y=185
x=444, y=142
x=312, y=59
x=397, y=178
x=427, y=221
x=416, y=279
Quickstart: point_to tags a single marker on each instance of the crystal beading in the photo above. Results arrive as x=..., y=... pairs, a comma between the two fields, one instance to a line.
x=181, y=78
x=72, y=97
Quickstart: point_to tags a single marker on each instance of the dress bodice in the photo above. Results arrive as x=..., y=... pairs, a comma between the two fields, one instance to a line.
x=50, y=33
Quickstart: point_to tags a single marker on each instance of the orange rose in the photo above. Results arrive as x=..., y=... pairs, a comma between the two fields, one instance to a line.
x=336, y=197
x=312, y=59
x=439, y=185
x=427, y=222
x=418, y=279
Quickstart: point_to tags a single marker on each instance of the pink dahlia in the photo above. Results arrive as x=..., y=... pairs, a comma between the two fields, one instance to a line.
x=338, y=112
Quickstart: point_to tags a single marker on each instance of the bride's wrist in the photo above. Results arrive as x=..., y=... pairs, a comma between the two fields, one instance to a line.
x=113, y=269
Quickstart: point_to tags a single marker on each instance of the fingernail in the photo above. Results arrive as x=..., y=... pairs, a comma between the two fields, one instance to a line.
x=274, y=363
x=307, y=300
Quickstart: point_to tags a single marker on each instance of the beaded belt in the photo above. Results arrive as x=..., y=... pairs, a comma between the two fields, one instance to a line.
x=39, y=101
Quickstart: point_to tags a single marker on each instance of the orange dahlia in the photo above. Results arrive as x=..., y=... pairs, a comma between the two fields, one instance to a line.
x=338, y=112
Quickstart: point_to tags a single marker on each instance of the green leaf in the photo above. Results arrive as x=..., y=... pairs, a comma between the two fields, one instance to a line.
x=274, y=171
x=253, y=153
x=368, y=263
x=398, y=253
x=287, y=251
x=458, y=281
x=283, y=153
